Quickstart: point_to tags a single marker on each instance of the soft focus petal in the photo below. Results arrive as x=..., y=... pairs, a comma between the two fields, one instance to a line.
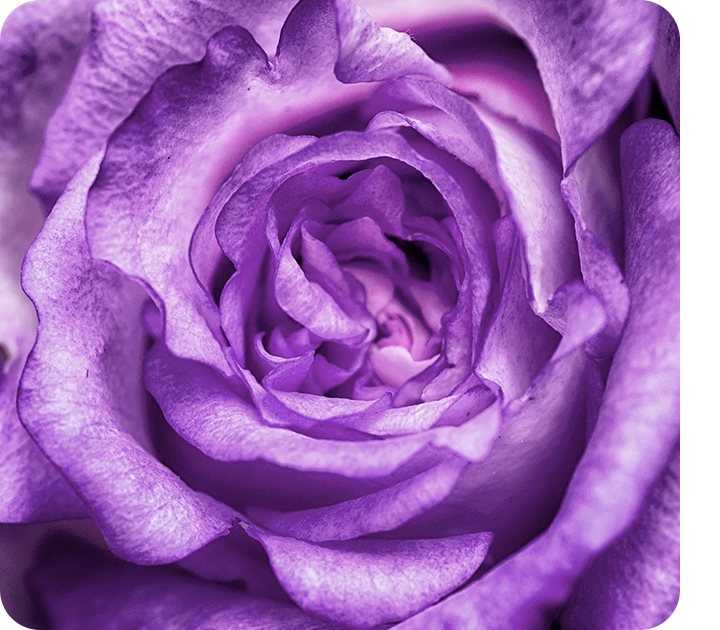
x=666, y=65
x=635, y=582
x=81, y=588
x=82, y=390
x=39, y=46
x=363, y=583
x=638, y=426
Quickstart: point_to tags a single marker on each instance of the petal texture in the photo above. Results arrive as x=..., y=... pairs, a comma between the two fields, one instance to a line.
x=39, y=47
x=635, y=583
x=363, y=583
x=111, y=77
x=591, y=54
x=84, y=588
x=83, y=390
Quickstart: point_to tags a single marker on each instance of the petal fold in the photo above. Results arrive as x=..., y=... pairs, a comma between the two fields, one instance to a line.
x=83, y=588
x=363, y=583
x=39, y=47
x=82, y=389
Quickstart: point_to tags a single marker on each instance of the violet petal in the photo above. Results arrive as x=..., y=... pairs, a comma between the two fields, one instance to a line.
x=634, y=582
x=638, y=426
x=111, y=77
x=87, y=387
x=232, y=430
x=591, y=54
x=365, y=582
x=38, y=50
x=81, y=587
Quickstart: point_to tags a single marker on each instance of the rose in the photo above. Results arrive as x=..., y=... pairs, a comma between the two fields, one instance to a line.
x=368, y=512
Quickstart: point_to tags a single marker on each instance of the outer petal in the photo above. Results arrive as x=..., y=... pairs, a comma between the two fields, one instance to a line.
x=82, y=588
x=591, y=54
x=593, y=194
x=209, y=412
x=635, y=582
x=112, y=75
x=666, y=65
x=638, y=425
x=38, y=49
x=377, y=512
x=363, y=583
x=514, y=491
x=82, y=389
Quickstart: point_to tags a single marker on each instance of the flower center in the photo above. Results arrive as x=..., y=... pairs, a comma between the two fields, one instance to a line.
x=407, y=339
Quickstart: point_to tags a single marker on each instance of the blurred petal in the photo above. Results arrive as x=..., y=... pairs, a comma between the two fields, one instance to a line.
x=666, y=65
x=82, y=388
x=38, y=49
x=635, y=583
x=363, y=583
x=83, y=588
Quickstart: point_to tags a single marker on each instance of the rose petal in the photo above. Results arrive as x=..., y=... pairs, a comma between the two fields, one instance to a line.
x=80, y=587
x=33, y=489
x=638, y=426
x=245, y=214
x=39, y=47
x=372, y=53
x=591, y=54
x=666, y=65
x=518, y=342
x=531, y=172
x=244, y=99
x=491, y=64
x=516, y=489
x=111, y=77
x=363, y=583
x=377, y=512
x=85, y=387
x=592, y=192
x=635, y=582
x=231, y=429
x=518, y=164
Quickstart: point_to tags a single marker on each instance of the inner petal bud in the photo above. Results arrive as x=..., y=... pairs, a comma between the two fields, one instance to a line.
x=405, y=344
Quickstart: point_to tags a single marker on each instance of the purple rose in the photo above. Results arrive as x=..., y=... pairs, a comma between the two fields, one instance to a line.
x=334, y=326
